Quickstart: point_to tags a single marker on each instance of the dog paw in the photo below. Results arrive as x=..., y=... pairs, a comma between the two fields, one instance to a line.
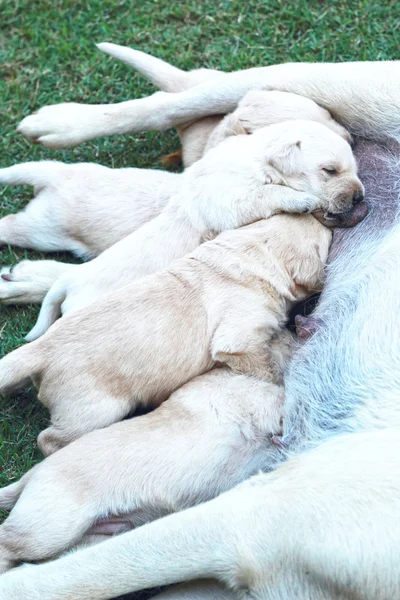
x=62, y=125
x=10, y=291
x=17, y=286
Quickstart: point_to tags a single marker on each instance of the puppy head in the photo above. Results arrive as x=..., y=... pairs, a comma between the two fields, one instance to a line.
x=259, y=109
x=309, y=157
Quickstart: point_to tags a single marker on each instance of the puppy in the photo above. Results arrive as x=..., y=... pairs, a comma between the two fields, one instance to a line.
x=221, y=304
x=211, y=434
x=72, y=207
x=322, y=526
x=243, y=179
x=73, y=203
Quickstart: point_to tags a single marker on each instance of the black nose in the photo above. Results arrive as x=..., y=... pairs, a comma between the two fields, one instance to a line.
x=357, y=198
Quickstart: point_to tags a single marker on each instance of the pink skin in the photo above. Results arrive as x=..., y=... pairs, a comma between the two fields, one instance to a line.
x=306, y=326
x=112, y=526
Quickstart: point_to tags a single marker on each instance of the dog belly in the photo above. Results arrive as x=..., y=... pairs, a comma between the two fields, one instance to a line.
x=345, y=377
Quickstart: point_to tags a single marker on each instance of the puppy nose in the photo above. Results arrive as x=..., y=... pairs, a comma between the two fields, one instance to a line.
x=358, y=198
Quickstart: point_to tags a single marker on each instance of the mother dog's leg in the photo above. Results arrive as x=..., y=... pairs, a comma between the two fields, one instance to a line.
x=363, y=96
x=300, y=532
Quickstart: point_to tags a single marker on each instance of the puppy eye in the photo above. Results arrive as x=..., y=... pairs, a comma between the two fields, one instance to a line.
x=330, y=171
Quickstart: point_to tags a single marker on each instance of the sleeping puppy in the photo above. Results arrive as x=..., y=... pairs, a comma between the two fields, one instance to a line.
x=74, y=203
x=83, y=208
x=296, y=166
x=68, y=498
x=221, y=304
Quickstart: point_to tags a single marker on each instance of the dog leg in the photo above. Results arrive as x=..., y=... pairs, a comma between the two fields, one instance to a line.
x=245, y=538
x=364, y=96
x=44, y=521
x=241, y=343
x=71, y=420
x=29, y=281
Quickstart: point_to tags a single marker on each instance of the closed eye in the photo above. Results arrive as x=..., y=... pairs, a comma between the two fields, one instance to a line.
x=330, y=170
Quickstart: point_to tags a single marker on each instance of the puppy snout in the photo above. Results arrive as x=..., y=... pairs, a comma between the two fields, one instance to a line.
x=358, y=197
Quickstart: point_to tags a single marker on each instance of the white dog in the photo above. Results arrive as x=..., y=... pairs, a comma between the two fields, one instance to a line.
x=324, y=524
x=221, y=304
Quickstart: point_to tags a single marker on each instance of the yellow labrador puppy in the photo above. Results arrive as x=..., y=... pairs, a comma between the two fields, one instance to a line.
x=221, y=304
x=210, y=435
x=73, y=204
x=297, y=166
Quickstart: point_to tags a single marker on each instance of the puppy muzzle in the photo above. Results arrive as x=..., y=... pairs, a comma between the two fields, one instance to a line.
x=348, y=218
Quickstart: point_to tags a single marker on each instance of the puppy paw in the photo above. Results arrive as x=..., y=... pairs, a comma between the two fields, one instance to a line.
x=61, y=125
x=17, y=286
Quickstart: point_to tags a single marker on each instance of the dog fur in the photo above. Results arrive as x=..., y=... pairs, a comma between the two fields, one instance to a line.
x=287, y=167
x=172, y=326
x=71, y=209
x=323, y=525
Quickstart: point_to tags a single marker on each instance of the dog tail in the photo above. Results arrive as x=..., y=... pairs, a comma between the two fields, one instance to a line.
x=50, y=310
x=163, y=75
x=38, y=173
x=19, y=367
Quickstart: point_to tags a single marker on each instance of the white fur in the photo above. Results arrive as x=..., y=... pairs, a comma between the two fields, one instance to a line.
x=245, y=178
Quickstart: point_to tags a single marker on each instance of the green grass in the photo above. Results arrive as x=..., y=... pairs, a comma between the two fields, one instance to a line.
x=48, y=56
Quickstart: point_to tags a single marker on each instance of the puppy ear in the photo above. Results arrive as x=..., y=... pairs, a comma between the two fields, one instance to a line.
x=284, y=157
x=229, y=126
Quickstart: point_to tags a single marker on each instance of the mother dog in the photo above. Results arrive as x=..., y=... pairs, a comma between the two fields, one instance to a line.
x=324, y=524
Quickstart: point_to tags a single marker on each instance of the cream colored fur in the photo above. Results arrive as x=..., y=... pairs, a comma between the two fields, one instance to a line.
x=280, y=168
x=221, y=304
x=324, y=525
x=74, y=203
x=210, y=435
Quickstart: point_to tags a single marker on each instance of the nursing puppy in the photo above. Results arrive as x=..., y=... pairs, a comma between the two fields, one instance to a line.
x=336, y=384
x=267, y=538
x=296, y=166
x=73, y=203
x=221, y=304
x=56, y=504
x=72, y=207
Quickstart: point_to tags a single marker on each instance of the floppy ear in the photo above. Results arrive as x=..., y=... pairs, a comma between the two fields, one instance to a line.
x=284, y=156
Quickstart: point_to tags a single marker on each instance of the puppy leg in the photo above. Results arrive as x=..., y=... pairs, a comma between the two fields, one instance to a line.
x=241, y=343
x=49, y=517
x=344, y=546
x=29, y=281
x=71, y=420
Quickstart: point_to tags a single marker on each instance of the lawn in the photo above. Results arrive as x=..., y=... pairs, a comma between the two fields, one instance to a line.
x=48, y=56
